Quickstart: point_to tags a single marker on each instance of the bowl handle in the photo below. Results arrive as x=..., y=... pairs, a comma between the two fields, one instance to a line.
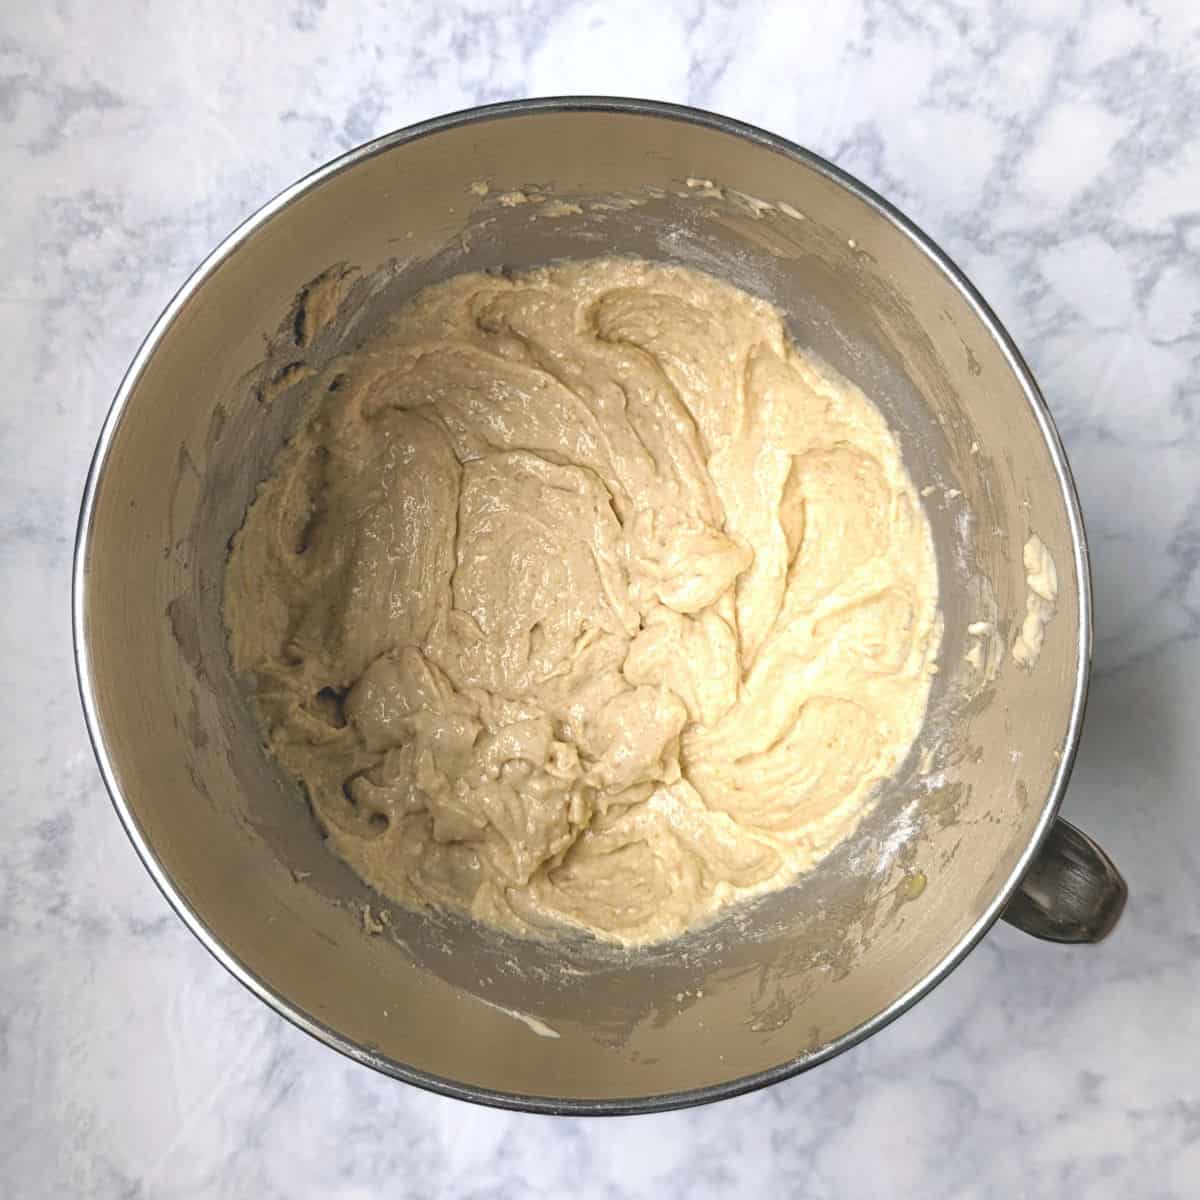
x=1072, y=893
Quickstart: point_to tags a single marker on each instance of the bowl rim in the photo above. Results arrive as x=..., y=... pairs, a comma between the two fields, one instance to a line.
x=937, y=257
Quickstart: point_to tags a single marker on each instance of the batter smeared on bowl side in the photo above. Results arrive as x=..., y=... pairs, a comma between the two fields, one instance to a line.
x=584, y=597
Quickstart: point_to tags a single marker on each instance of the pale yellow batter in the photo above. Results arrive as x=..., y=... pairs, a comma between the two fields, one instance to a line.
x=585, y=597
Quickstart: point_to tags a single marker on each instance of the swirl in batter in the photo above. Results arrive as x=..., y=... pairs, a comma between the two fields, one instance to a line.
x=584, y=597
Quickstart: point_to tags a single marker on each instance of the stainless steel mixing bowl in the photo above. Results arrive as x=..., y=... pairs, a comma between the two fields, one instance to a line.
x=573, y=1026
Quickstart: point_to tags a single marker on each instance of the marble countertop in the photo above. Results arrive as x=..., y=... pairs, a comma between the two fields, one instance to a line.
x=1052, y=150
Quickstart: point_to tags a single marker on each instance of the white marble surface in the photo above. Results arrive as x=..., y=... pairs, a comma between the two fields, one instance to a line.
x=1050, y=147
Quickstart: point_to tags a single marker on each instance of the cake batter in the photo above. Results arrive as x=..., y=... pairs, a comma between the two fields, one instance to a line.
x=583, y=597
